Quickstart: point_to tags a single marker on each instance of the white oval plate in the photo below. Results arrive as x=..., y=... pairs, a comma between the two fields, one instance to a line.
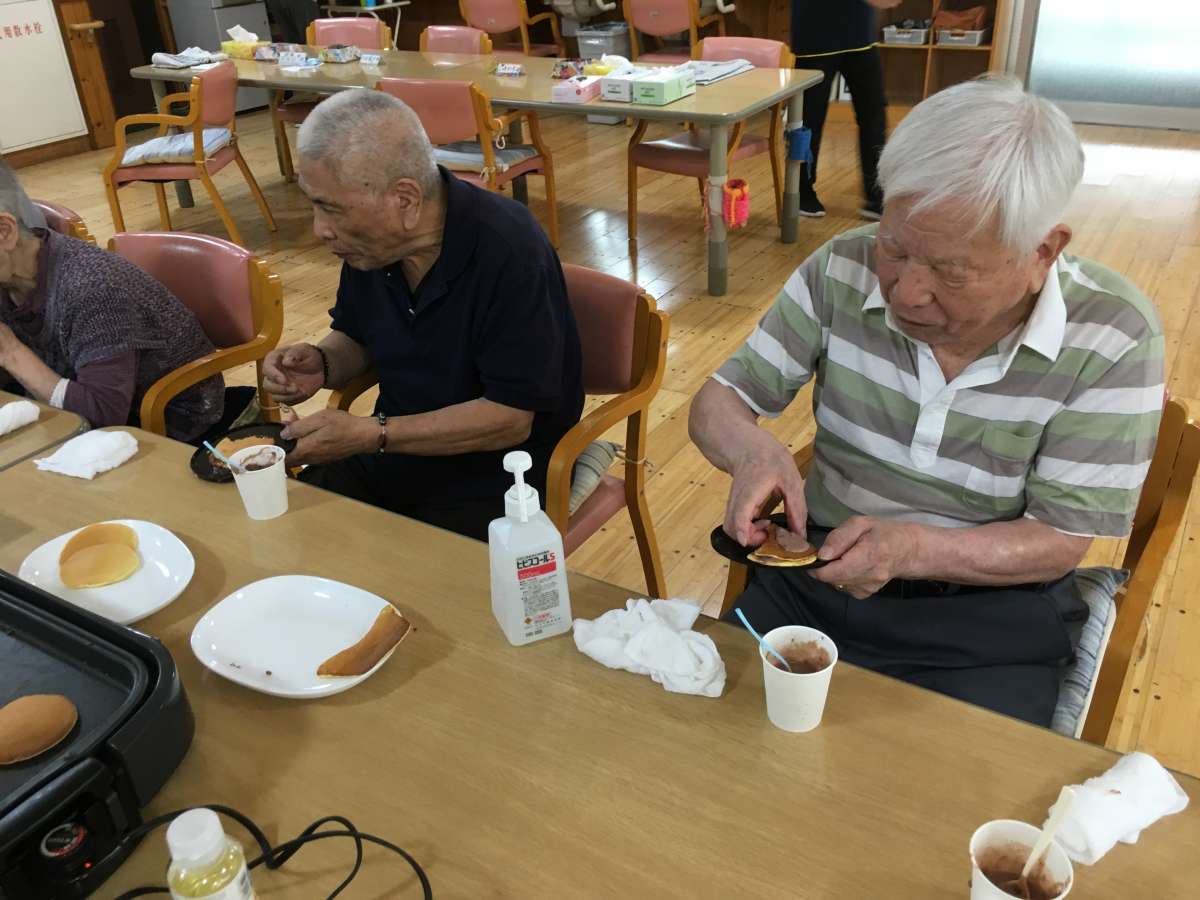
x=273, y=634
x=167, y=568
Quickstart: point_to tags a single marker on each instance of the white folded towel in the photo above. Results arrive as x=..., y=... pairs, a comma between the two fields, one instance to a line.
x=90, y=454
x=655, y=638
x=1132, y=795
x=17, y=414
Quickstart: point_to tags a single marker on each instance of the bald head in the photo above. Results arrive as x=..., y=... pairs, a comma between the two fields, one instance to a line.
x=369, y=140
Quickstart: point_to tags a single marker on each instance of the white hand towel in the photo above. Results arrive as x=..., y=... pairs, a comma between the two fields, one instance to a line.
x=655, y=638
x=90, y=454
x=1132, y=795
x=17, y=414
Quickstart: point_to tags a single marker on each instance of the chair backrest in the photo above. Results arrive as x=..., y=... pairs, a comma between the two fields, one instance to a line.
x=210, y=275
x=661, y=17
x=762, y=53
x=218, y=95
x=605, y=310
x=455, y=39
x=493, y=16
x=447, y=109
x=364, y=32
x=64, y=221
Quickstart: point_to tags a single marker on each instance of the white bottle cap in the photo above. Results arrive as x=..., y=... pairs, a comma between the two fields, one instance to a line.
x=195, y=837
x=520, y=500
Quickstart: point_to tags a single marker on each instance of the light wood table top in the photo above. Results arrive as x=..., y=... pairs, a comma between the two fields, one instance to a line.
x=52, y=428
x=534, y=772
x=726, y=101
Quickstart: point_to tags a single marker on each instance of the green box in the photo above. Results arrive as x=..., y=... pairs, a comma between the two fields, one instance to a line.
x=665, y=86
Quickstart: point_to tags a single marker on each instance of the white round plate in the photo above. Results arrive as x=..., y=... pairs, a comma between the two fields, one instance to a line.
x=167, y=567
x=272, y=635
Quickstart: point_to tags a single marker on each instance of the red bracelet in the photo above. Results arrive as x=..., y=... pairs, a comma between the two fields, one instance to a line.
x=382, y=433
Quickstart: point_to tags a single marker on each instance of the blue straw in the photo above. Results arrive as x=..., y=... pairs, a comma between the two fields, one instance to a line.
x=234, y=467
x=759, y=638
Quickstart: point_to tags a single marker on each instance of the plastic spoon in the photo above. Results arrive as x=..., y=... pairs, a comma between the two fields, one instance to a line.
x=232, y=466
x=1066, y=799
x=759, y=638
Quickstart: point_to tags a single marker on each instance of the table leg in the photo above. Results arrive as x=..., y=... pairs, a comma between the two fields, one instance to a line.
x=790, y=232
x=183, y=190
x=516, y=135
x=718, y=247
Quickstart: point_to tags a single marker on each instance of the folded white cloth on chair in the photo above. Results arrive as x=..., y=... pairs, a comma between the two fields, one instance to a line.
x=176, y=148
x=16, y=415
x=654, y=637
x=90, y=454
x=1116, y=806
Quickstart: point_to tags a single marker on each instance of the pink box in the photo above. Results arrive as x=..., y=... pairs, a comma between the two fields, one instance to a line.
x=579, y=89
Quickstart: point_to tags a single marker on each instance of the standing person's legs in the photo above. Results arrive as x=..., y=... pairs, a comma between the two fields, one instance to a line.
x=863, y=72
x=816, y=107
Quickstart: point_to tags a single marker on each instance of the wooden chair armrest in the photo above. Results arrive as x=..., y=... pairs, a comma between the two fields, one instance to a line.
x=715, y=17
x=500, y=123
x=171, y=385
x=124, y=122
x=164, y=105
x=553, y=19
x=342, y=398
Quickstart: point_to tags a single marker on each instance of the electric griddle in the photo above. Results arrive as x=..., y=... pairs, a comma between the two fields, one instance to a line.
x=64, y=815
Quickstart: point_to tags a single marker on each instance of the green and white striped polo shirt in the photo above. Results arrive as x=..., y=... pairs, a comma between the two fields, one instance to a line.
x=1056, y=422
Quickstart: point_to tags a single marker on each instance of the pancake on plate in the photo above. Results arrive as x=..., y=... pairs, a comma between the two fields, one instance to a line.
x=388, y=630
x=783, y=548
x=99, y=555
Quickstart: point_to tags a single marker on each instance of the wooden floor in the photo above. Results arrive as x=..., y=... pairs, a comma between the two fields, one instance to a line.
x=1138, y=211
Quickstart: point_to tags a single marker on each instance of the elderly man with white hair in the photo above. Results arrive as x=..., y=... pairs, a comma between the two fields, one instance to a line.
x=454, y=297
x=985, y=406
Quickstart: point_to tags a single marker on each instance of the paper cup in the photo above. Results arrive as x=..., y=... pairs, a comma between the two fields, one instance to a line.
x=1007, y=831
x=795, y=701
x=264, y=492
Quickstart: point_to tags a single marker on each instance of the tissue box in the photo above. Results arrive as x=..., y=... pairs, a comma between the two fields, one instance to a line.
x=618, y=84
x=241, y=49
x=580, y=89
x=659, y=87
x=339, y=53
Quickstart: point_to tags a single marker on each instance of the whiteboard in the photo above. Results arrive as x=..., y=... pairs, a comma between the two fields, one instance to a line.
x=39, y=103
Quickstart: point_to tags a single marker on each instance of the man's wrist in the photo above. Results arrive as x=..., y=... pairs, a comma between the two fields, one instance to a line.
x=324, y=364
x=915, y=564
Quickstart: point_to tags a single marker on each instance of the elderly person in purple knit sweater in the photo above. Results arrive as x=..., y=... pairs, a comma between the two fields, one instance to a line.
x=85, y=330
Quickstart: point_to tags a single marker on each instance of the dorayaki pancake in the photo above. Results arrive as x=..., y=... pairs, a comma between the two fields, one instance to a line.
x=388, y=630
x=99, y=565
x=31, y=725
x=784, y=548
x=230, y=446
x=103, y=533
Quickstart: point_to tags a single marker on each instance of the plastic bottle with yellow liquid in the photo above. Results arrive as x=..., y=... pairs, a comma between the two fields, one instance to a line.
x=205, y=862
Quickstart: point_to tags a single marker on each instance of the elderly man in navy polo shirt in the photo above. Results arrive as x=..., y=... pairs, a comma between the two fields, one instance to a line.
x=455, y=297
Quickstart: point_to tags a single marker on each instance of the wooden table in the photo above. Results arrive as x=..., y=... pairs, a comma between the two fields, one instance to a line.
x=534, y=772
x=52, y=428
x=716, y=106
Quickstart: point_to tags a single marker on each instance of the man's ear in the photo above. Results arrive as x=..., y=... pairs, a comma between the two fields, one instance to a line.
x=1047, y=252
x=408, y=200
x=10, y=232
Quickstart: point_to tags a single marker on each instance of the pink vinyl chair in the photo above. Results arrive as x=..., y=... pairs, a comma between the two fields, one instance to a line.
x=366, y=33
x=686, y=153
x=64, y=221
x=455, y=39
x=232, y=293
x=207, y=145
x=623, y=336
x=660, y=18
x=506, y=16
x=458, y=118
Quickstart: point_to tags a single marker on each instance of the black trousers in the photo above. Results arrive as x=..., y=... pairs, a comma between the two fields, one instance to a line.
x=293, y=17
x=370, y=479
x=863, y=72
x=1002, y=648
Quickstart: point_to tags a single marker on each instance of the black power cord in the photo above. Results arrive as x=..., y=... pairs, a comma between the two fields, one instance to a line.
x=275, y=856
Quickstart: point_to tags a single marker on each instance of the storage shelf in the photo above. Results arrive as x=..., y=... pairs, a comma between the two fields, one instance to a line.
x=884, y=46
x=987, y=48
